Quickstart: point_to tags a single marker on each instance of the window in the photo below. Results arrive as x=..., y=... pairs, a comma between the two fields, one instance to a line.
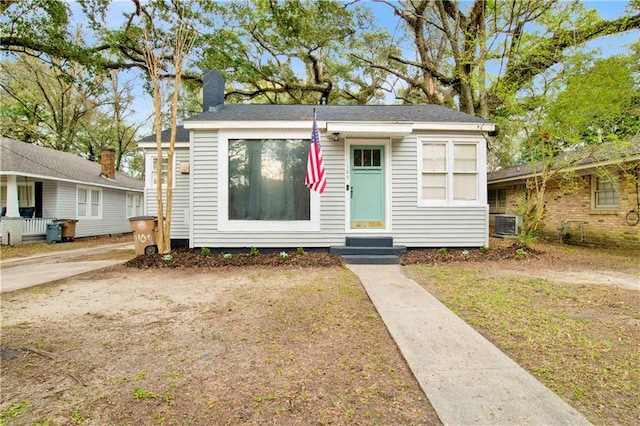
x=152, y=165
x=266, y=180
x=89, y=203
x=497, y=200
x=605, y=193
x=449, y=172
x=26, y=197
x=134, y=204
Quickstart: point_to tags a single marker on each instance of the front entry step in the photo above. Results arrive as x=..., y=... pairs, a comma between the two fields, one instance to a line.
x=369, y=250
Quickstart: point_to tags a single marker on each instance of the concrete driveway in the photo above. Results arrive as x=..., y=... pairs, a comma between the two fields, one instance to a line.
x=24, y=272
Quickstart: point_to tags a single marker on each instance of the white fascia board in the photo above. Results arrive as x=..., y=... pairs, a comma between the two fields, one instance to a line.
x=165, y=145
x=341, y=127
x=381, y=128
x=272, y=124
x=467, y=127
x=74, y=181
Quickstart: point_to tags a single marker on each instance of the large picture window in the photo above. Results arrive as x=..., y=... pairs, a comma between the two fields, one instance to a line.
x=449, y=172
x=266, y=180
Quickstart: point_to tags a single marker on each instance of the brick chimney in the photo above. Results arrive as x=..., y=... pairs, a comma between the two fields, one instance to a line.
x=108, y=163
x=212, y=90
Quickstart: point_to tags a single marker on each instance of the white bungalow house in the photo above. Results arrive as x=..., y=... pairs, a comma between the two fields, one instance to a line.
x=40, y=184
x=411, y=174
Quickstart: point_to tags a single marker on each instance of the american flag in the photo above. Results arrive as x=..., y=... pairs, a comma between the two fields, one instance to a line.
x=315, y=179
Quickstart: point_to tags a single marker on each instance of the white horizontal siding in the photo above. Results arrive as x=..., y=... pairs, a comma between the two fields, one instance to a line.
x=114, y=206
x=180, y=197
x=415, y=226
x=205, y=203
x=411, y=225
x=50, y=198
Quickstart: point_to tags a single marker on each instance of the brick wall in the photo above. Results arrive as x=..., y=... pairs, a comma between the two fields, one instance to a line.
x=601, y=227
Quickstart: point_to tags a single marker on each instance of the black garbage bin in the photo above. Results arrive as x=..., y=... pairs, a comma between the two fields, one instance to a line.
x=54, y=233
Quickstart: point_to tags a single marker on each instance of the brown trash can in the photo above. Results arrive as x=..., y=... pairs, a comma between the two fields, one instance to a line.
x=144, y=234
x=68, y=228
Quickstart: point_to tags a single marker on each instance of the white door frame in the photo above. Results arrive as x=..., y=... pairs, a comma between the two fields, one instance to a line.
x=386, y=142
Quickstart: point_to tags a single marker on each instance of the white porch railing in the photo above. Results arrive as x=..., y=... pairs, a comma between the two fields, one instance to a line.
x=35, y=226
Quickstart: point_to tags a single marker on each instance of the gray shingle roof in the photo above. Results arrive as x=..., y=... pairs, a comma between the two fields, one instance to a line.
x=182, y=135
x=28, y=159
x=621, y=153
x=369, y=113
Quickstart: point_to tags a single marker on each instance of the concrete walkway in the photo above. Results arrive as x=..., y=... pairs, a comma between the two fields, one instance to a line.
x=23, y=272
x=467, y=379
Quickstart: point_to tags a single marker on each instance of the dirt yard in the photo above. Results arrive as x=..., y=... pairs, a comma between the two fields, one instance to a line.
x=166, y=342
x=203, y=346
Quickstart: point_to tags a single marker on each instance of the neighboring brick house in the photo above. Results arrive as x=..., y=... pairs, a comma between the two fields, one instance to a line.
x=590, y=207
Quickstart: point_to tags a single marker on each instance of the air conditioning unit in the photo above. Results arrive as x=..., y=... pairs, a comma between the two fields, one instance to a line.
x=507, y=225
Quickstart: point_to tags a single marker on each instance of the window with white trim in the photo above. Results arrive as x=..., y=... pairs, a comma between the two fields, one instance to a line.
x=604, y=193
x=89, y=205
x=134, y=204
x=449, y=172
x=152, y=166
x=261, y=176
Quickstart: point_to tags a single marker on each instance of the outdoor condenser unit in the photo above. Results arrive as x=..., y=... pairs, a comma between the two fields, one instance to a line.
x=507, y=225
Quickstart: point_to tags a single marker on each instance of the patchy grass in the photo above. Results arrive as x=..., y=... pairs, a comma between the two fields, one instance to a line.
x=580, y=341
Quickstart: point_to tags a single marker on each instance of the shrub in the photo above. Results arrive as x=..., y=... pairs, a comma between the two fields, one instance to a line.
x=227, y=256
x=442, y=250
x=484, y=249
x=300, y=251
x=254, y=251
x=283, y=255
x=205, y=251
x=465, y=254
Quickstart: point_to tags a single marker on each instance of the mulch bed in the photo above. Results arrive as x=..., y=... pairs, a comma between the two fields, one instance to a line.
x=187, y=258
x=516, y=251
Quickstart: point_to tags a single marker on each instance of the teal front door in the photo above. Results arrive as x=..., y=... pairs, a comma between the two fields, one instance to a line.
x=367, y=187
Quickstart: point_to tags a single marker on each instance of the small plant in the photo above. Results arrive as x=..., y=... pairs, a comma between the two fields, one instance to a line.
x=254, y=251
x=167, y=257
x=527, y=239
x=465, y=254
x=77, y=417
x=300, y=251
x=484, y=249
x=227, y=256
x=283, y=255
x=521, y=252
x=141, y=393
x=442, y=250
x=205, y=251
x=12, y=412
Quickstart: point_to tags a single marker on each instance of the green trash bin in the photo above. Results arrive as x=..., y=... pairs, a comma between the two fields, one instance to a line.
x=54, y=233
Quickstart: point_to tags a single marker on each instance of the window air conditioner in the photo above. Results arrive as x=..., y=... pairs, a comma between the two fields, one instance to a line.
x=507, y=225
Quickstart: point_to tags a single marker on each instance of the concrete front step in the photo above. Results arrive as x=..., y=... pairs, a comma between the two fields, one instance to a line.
x=369, y=242
x=371, y=260
x=367, y=251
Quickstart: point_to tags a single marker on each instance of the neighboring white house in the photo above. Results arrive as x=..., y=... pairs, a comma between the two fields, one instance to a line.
x=40, y=184
x=416, y=173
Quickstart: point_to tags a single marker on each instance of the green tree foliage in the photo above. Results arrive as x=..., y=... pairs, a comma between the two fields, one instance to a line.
x=297, y=51
x=72, y=111
x=458, y=45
